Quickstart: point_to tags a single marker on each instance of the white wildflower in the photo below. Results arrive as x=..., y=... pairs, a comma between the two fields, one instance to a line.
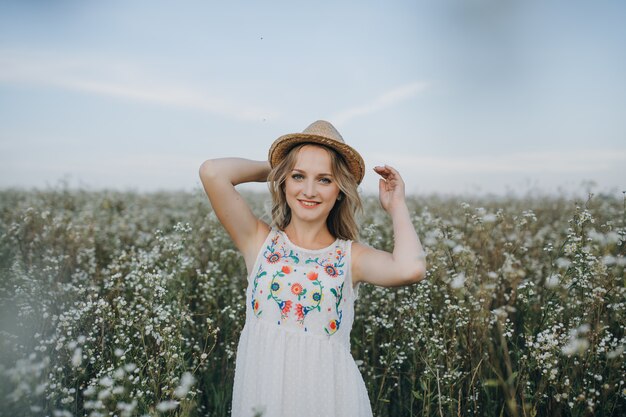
x=615, y=353
x=77, y=357
x=166, y=405
x=490, y=218
x=458, y=281
x=119, y=373
x=552, y=281
x=130, y=367
x=577, y=345
x=103, y=395
x=563, y=263
x=127, y=408
x=185, y=384
x=106, y=381
x=609, y=260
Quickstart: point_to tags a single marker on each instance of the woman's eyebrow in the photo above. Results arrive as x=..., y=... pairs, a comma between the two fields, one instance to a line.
x=323, y=174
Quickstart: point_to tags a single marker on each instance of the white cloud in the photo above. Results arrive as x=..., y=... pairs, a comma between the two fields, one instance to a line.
x=120, y=80
x=573, y=172
x=566, y=161
x=388, y=99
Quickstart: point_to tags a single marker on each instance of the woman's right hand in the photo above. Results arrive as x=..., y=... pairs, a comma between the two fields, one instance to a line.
x=390, y=188
x=219, y=177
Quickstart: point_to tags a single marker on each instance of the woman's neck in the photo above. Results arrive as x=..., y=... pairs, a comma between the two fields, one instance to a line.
x=309, y=236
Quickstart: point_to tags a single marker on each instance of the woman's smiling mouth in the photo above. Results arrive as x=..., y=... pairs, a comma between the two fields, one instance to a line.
x=308, y=204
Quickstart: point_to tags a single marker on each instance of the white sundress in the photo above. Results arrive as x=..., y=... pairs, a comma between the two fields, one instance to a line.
x=293, y=357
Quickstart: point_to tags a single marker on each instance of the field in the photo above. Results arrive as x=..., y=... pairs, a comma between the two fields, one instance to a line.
x=131, y=304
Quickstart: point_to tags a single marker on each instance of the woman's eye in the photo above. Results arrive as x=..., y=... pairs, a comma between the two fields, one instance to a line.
x=296, y=176
x=325, y=180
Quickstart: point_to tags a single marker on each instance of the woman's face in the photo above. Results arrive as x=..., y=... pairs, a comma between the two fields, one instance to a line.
x=310, y=188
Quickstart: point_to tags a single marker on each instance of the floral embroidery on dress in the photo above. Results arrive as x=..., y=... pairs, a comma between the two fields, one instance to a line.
x=316, y=296
x=283, y=305
x=255, y=303
x=272, y=255
x=332, y=269
x=300, y=288
x=333, y=325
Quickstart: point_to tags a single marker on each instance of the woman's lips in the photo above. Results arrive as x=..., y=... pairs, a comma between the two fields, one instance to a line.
x=308, y=204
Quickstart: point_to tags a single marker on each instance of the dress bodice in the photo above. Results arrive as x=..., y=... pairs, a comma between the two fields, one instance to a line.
x=303, y=290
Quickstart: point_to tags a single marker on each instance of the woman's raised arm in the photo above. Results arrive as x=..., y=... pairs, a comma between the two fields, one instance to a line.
x=219, y=177
x=407, y=264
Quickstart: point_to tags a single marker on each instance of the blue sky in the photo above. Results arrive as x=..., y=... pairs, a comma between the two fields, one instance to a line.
x=463, y=97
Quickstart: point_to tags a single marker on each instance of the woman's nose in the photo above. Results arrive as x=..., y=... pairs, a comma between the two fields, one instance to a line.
x=309, y=189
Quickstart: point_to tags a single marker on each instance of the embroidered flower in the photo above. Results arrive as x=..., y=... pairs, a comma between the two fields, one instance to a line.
x=275, y=286
x=317, y=296
x=333, y=326
x=285, y=307
x=287, y=269
x=330, y=270
x=311, y=275
x=256, y=305
x=273, y=257
x=296, y=289
x=300, y=312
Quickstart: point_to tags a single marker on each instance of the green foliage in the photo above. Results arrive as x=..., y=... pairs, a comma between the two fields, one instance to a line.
x=132, y=304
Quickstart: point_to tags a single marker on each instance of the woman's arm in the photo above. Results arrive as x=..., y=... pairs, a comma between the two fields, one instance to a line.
x=407, y=264
x=219, y=177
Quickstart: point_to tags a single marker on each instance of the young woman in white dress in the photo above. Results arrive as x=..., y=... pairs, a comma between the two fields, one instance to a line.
x=293, y=357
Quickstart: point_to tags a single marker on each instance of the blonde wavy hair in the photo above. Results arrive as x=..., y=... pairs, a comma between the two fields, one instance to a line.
x=341, y=221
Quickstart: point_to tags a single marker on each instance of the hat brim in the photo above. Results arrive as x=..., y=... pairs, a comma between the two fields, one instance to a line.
x=281, y=147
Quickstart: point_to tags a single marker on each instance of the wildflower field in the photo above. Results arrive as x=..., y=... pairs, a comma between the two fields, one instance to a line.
x=124, y=304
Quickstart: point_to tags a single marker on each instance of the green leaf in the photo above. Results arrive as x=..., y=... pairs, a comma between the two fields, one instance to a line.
x=334, y=292
x=294, y=257
x=491, y=383
x=511, y=378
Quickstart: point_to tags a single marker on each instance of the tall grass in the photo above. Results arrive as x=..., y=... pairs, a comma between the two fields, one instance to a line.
x=131, y=304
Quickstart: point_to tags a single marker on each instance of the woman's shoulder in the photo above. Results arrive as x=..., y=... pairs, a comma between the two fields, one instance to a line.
x=359, y=248
x=262, y=232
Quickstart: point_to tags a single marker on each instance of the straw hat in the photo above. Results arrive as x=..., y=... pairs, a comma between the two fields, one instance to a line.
x=323, y=133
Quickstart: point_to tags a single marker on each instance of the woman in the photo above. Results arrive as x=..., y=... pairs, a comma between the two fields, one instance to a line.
x=293, y=357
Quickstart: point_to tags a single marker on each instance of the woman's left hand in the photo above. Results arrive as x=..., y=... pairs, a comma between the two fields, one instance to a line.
x=390, y=187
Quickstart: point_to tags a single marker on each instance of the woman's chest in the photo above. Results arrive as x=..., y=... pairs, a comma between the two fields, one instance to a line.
x=301, y=291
